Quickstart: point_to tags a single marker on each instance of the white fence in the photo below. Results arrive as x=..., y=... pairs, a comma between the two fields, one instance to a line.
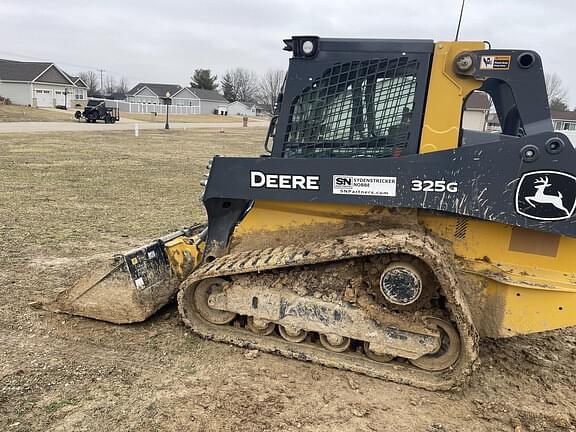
x=131, y=107
x=571, y=135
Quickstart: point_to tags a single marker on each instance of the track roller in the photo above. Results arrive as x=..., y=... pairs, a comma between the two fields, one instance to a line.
x=292, y=335
x=335, y=343
x=448, y=352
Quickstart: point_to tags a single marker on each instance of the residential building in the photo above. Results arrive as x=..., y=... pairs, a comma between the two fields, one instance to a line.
x=476, y=112
x=207, y=101
x=564, y=121
x=150, y=93
x=493, y=123
x=246, y=108
x=40, y=84
x=241, y=108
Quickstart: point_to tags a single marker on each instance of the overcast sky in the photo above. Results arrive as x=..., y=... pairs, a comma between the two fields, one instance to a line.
x=164, y=41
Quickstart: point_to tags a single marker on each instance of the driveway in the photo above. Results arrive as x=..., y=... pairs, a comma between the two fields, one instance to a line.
x=26, y=127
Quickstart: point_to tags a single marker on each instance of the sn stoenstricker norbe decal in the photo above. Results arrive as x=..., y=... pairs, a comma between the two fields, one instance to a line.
x=364, y=185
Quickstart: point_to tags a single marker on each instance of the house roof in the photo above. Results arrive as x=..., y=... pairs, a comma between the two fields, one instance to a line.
x=478, y=101
x=246, y=104
x=75, y=80
x=563, y=115
x=158, y=89
x=161, y=89
x=79, y=82
x=212, y=95
x=12, y=70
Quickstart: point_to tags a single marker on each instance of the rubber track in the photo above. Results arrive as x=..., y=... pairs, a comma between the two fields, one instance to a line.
x=392, y=241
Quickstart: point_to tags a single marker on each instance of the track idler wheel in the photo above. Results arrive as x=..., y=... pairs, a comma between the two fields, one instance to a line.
x=260, y=327
x=292, y=335
x=335, y=343
x=202, y=294
x=380, y=358
x=448, y=352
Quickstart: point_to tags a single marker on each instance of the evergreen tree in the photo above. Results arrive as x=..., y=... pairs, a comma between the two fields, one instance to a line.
x=228, y=89
x=203, y=79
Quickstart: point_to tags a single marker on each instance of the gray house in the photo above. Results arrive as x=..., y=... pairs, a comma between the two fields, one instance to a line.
x=150, y=93
x=40, y=84
x=206, y=101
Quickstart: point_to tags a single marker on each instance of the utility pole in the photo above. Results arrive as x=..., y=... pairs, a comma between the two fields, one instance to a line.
x=101, y=79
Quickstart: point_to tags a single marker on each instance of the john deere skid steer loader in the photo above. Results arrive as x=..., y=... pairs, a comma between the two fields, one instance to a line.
x=378, y=235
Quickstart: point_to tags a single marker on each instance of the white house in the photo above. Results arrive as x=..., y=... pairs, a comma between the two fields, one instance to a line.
x=565, y=122
x=476, y=112
x=241, y=109
x=40, y=84
x=207, y=101
x=246, y=108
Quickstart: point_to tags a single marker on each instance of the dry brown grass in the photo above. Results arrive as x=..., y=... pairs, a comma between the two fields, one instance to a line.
x=21, y=113
x=186, y=118
x=60, y=188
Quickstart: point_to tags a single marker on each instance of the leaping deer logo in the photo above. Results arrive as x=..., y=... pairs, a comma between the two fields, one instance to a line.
x=540, y=196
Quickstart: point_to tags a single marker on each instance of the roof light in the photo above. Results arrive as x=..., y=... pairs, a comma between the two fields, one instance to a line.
x=308, y=47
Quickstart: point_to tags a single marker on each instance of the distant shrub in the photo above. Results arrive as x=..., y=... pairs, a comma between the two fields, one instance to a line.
x=62, y=107
x=5, y=100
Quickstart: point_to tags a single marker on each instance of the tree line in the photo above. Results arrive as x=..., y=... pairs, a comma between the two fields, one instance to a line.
x=243, y=85
x=557, y=93
x=240, y=84
x=108, y=85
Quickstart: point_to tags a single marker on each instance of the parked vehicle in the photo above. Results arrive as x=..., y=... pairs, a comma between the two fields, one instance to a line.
x=97, y=110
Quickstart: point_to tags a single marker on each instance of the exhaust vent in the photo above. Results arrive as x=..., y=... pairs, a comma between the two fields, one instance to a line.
x=461, y=228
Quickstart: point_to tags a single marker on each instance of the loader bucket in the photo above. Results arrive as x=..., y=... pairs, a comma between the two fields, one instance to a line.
x=127, y=289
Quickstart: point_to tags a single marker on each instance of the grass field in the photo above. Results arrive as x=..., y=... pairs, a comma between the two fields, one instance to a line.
x=68, y=199
x=190, y=118
x=20, y=113
x=110, y=183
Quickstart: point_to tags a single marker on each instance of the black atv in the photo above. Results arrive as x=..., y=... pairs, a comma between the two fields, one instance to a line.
x=97, y=110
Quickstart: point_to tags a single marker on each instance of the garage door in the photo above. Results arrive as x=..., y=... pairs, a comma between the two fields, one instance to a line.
x=44, y=98
x=59, y=96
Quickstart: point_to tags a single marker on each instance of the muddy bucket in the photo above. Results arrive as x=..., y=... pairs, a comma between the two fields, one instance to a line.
x=129, y=288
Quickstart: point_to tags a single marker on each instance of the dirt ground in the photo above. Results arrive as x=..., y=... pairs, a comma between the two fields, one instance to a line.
x=20, y=113
x=68, y=199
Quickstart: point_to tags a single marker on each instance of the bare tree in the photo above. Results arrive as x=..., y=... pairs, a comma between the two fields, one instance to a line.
x=557, y=93
x=269, y=86
x=109, y=85
x=122, y=86
x=240, y=85
x=91, y=80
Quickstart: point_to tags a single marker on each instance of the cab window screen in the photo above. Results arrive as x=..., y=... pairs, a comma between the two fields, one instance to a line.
x=360, y=109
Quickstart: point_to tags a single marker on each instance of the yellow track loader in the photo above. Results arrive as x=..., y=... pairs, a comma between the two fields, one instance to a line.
x=378, y=234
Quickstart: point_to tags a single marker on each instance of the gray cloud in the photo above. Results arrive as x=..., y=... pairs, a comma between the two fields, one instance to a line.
x=166, y=41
